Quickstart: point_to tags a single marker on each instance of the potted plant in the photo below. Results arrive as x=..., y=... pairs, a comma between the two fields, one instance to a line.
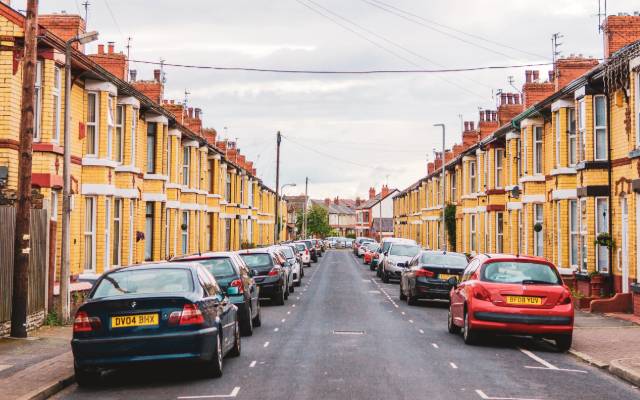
x=595, y=279
x=605, y=239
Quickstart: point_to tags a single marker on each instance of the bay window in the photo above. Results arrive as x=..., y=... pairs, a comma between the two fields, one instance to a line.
x=537, y=150
x=89, y=233
x=572, y=146
x=538, y=238
x=134, y=135
x=184, y=232
x=93, y=113
x=116, y=258
x=186, y=160
x=111, y=121
x=152, y=130
x=602, y=226
x=499, y=232
x=472, y=233
x=600, y=127
x=582, y=127
x=37, y=104
x=499, y=159
x=149, y=231
x=556, y=118
x=574, y=233
x=56, y=90
x=118, y=142
x=472, y=177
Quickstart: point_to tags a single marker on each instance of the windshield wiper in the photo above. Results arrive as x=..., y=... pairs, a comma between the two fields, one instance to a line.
x=536, y=282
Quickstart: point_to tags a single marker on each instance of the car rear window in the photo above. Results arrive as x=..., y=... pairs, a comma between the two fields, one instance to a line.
x=144, y=281
x=449, y=260
x=257, y=260
x=300, y=246
x=219, y=267
x=288, y=252
x=405, y=250
x=519, y=272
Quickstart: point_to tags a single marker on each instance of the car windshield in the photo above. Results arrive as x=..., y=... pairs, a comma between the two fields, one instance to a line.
x=288, y=252
x=257, y=260
x=404, y=250
x=144, y=281
x=300, y=246
x=520, y=272
x=219, y=267
x=385, y=246
x=450, y=260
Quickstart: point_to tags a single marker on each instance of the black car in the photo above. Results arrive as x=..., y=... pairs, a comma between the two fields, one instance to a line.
x=312, y=249
x=236, y=280
x=268, y=273
x=169, y=312
x=428, y=275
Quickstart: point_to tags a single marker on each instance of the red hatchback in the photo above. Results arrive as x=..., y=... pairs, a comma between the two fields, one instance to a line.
x=514, y=295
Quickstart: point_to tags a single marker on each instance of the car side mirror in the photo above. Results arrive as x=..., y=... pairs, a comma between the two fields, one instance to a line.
x=386, y=253
x=453, y=282
x=252, y=273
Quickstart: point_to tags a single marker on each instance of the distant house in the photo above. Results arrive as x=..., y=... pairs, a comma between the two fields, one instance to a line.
x=342, y=215
x=295, y=205
x=374, y=217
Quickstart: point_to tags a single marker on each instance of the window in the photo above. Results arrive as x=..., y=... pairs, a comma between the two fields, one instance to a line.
x=55, y=92
x=637, y=76
x=250, y=190
x=558, y=238
x=37, y=108
x=89, y=233
x=499, y=159
x=118, y=142
x=602, y=226
x=537, y=150
x=472, y=233
x=186, y=160
x=241, y=201
x=524, y=154
x=250, y=231
x=117, y=233
x=572, y=145
x=485, y=158
x=499, y=232
x=520, y=245
x=453, y=187
x=134, y=136
x=583, y=235
x=93, y=113
x=210, y=180
x=556, y=116
x=518, y=159
x=600, y=127
x=149, y=231
x=227, y=234
x=132, y=213
x=538, y=237
x=184, y=232
x=228, y=188
x=152, y=130
x=107, y=233
x=574, y=233
x=582, y=126
x=486, y=236
x=54, y=205
x=167, y=227
x=472, y=177
x=110, y=126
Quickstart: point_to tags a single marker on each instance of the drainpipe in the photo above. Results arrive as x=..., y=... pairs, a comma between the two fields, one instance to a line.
x=610, y=193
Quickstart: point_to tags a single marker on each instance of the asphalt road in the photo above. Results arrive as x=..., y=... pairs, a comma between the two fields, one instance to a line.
x=345, y=335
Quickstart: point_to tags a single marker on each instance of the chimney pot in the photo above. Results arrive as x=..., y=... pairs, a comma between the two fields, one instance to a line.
x=516, y=98
x=133, y=73
x=471, y=125
x=536, y=76
x=110, y=47
x=197, y=112
x=466, y=125
x=101, y=49
x=481, y=115
x=528, y=74
x=503, y=98
x=156, y=75
x=551, y=76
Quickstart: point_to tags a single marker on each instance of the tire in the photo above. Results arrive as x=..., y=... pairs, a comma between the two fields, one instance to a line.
x=213, y=368
x=237, y=346
x=246, y=326
x=291, y=288
x=378, y=274
x=86, y=377
x=285, y=289
x=412, y=300
x=402, y=296
x=468, y=335
x=298, y=283
x=385, y=277
x=451, y=327
x=563, y=343
x=371, y=267
x=278, y=298
x=257, y=321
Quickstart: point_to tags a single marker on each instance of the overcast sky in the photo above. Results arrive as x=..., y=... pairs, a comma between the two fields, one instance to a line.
x=345, y=132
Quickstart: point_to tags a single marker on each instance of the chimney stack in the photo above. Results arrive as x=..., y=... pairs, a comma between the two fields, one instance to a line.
x=528, y=76
x=385, y=191
x=372, y=193
x=110, y=46
x=133, y=74
x=101, y=49
x=619, y=31
x=156, y=75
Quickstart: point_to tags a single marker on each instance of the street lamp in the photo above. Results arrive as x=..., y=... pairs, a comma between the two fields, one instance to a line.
x=83, y=38
x=442, y=185
x=282, y=195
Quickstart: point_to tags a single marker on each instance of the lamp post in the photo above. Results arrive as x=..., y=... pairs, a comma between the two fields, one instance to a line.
x=66, y=174
x=281, y=196
x=442, y=185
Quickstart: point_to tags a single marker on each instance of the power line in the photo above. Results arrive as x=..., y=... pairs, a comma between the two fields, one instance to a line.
x=115, y=22
x=403, y=14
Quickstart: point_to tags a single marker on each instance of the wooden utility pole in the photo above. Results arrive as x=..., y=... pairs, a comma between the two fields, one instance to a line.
x=304, y=213
x=276, y=237
x=23, y=210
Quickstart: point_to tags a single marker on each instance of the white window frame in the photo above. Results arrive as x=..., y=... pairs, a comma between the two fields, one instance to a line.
x=556, y=125
x=485, y=159
x=37, y=106
x=582, y=247
x=116, y=257
x=538, y=237
x=152, y=158
x=574, y=233
x=572, y=137
x=538, y=154
x=56, y=96
x=93, y=125
x=487, y=234
x=499, y=232
x=559, y=233
x=184, y=233
x=525, y=157
x=637, y=112
x=111, y=123
x=90, y=233
x=473, y=179
x=520, y=241
x=134, y=135
x=132, y=213
x=119, y=132
x=167, y=231
x=107, y=233
x=600, y=128
x=602, y=229
x=228, y=187
x=499, y=168
x=472, y=233
x=148, y=236
x=54, y=205
x=582, y=128
x=186, y=161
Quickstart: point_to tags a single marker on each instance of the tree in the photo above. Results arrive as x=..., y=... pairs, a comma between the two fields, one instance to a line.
x=317, y=221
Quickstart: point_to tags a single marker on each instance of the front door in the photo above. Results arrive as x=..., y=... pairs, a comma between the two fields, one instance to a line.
x=625, y=244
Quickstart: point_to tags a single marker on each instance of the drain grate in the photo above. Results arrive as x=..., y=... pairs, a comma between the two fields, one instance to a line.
x=346, y=332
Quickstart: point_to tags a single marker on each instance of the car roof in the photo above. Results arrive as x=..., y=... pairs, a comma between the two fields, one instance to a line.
x=155, y=265
x=484, y=257
x=398, y=240
x=447, y=253
x=263, y=250
x=202, y=256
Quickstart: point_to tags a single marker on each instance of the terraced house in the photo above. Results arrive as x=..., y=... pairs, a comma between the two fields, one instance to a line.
x=148, y=181
x=553, y=172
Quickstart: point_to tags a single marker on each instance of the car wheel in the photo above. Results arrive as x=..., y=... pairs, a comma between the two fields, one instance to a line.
x=291, y=288
x=86, y=377
x=235, y=350
x=278, y=298
x=246, y=327
x=451, y=327
x=385, y=277
x=402, y=296
x=412, y=300
x=214, y=367
x=378, y=274
x=371, y=267
x=469, y=336
x=563, y=343
x=285, y=289
x=257, y=321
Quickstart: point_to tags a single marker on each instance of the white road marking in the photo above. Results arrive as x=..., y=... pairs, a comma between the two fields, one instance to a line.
x=411, y=321
x=253, y=364
x=421, y=331
x=485, y=397
x=276, y=329
x=538, y=359
x=374, y=291
x=453, y=365
x=266, y=344
x=557, y=369
x=282, y=320
x=288, y=312
x=435, y=345
x=293, y=305
x=402, y=312
x=233, y=393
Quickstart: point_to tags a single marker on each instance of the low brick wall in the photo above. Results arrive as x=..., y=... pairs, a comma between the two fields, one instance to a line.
x=34, y=321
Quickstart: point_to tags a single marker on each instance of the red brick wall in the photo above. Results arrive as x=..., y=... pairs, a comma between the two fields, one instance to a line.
x=64, y=26
x=619, y=31
x=568, y=69
x=116, y=63
x=636, y=304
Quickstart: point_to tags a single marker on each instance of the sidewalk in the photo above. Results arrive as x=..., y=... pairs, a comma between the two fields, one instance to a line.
x=36, y=367
x=609, y=341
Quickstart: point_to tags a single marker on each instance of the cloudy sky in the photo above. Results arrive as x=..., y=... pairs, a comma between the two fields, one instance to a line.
x=345, y=132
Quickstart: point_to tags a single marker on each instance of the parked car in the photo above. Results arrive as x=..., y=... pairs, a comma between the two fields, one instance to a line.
x=427, y=275
x=296, y=268
x=340, y=243
x=396, y=258
x=358, y=243
x=236, y=280
x=371, y=249
x=385, y=245
x=375, y=258
x=318, y=245
x=348, y=243
x=305, y=255
x=269, y=274
x=513, y=295
x=298, y=256
x=363, y=247
x=312, y=249
x=281, y=258
x=168, y=312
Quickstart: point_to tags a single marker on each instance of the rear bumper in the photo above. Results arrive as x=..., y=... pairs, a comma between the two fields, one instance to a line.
x=432, y=290
x=120, y=351
x=268, y=289
x=523, y=320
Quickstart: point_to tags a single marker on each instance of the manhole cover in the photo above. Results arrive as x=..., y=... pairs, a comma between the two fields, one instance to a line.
x=345, y=332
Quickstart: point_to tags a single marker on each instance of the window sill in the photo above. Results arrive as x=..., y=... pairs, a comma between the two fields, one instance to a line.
x=99, y=162
x=634, y=153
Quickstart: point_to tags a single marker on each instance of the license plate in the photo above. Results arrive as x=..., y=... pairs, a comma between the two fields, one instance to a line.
x=524, y=300
x=126, y=321
x=445, y=277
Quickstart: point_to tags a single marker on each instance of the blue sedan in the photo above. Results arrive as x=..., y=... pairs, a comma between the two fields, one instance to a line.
x=154, y=313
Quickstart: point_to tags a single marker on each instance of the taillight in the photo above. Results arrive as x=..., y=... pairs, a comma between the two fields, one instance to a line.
x=424, y=273
x=84, y=323
x=274, y=271
x=376, y=255
x=237, y=284
x=480, y=293
x=565, y=298
x=306, y=251
x=190, y=315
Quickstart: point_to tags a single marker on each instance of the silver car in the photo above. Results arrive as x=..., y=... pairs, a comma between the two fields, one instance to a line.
x=398, y=253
